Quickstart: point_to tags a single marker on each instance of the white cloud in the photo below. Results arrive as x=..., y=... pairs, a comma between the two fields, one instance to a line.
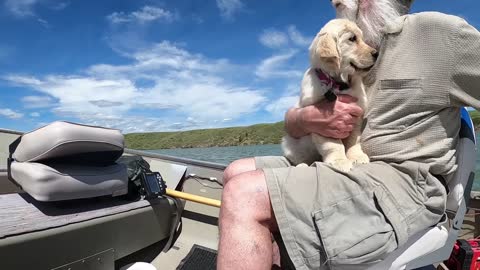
x=275, y=67
x=8, y=113
x=278, y=107
x=20, y=80
x=60, y=6
x=43, y=22
x=229, y=7
x=35, y=114
x=290, y=38
x=21, y=8
x=181, y=85
x=290, y=45
x=297, y=37
x=77, y=94
x=36, y=101
x=293, y=88
x=144, y=15
x=273, y=39
x=26, y=9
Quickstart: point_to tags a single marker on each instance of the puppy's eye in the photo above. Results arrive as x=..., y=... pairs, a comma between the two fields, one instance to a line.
x=353, y=38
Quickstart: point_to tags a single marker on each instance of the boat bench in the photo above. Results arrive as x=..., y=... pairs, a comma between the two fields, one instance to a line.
x=35, y=235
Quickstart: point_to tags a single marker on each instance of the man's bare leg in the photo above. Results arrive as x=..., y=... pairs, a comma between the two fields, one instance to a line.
x=240, y=166
x=246, y=223
x=237, y=167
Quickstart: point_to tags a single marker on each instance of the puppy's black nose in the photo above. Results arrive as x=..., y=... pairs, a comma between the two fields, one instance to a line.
x=375, y=54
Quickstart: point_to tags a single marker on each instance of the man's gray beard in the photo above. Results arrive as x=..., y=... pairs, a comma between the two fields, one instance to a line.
x=373, y=17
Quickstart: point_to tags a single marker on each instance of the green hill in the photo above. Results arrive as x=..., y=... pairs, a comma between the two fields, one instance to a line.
x=256, y=134
x=476, y=119
x=251, y=135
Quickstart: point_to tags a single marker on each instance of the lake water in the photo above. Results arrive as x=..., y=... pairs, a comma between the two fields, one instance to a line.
x=225, y=155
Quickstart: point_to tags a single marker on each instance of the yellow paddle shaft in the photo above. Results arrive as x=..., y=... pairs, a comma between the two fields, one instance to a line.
x=193, y=198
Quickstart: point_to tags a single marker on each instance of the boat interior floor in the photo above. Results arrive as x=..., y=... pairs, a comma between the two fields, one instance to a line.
x=200, y=225
x=199, y=222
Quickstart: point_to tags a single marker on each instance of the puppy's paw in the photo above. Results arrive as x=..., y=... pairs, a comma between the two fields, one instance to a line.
x=358, y=157
x=344, y=165
x=302, y=165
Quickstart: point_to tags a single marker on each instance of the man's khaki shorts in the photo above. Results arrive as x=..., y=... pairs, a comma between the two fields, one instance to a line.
x=328, y=218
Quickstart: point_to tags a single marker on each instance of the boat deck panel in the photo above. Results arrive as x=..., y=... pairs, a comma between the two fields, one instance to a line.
x=22, y=214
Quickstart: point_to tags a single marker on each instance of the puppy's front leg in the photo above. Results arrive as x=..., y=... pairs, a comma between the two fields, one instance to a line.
x=333, y=152
x=354, y=149
x=352, y=143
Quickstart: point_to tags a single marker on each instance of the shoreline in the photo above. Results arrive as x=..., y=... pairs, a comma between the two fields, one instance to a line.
x=259, y=134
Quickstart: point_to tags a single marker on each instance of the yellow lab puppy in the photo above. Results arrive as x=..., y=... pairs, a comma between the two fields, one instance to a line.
x=338, y=57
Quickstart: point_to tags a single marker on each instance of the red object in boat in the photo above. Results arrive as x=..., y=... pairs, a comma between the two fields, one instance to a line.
x=465, y=255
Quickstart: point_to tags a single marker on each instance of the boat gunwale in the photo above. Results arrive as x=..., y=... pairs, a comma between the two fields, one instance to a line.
x=9, y=131
x=201, y=163
x=187, y=161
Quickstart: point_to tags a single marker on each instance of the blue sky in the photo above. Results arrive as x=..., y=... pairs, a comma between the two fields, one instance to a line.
x=141, y=65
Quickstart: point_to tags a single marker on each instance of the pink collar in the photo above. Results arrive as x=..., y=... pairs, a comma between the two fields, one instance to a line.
x=330, y=83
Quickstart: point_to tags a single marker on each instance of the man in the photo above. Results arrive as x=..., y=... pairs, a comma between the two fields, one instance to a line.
x=427, y=69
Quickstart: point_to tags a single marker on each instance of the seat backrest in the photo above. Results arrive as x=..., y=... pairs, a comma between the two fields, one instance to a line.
x=460, y=184
x=436, y=244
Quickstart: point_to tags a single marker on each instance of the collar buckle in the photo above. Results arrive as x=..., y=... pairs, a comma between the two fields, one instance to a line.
x=331, y=84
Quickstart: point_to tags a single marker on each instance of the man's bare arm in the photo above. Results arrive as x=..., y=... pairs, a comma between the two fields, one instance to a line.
x=329, y=119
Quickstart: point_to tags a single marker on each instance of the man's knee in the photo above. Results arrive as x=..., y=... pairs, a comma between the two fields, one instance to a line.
x=237, y=167
x=246, y=197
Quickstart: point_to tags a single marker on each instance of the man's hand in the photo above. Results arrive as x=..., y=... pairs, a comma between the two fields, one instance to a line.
x=329, y=119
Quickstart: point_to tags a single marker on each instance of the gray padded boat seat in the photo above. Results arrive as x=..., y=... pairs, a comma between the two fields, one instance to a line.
x=64, y=140
x=66, y=181
x=67, y=161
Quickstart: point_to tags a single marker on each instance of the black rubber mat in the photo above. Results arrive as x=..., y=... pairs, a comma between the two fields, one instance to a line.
x=199, y=258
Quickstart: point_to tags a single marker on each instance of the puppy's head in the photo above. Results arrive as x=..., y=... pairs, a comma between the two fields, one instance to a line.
x=339, y=50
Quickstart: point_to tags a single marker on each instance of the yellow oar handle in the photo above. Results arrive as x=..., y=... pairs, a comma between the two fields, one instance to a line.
x=193, y=198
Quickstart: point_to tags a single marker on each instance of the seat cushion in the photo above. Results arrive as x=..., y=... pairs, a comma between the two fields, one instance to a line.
x=70, y=142
x=419, y=245
x=66, y=181
x=458, y=182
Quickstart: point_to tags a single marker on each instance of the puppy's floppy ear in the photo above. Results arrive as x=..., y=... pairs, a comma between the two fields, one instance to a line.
x=327, y=46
